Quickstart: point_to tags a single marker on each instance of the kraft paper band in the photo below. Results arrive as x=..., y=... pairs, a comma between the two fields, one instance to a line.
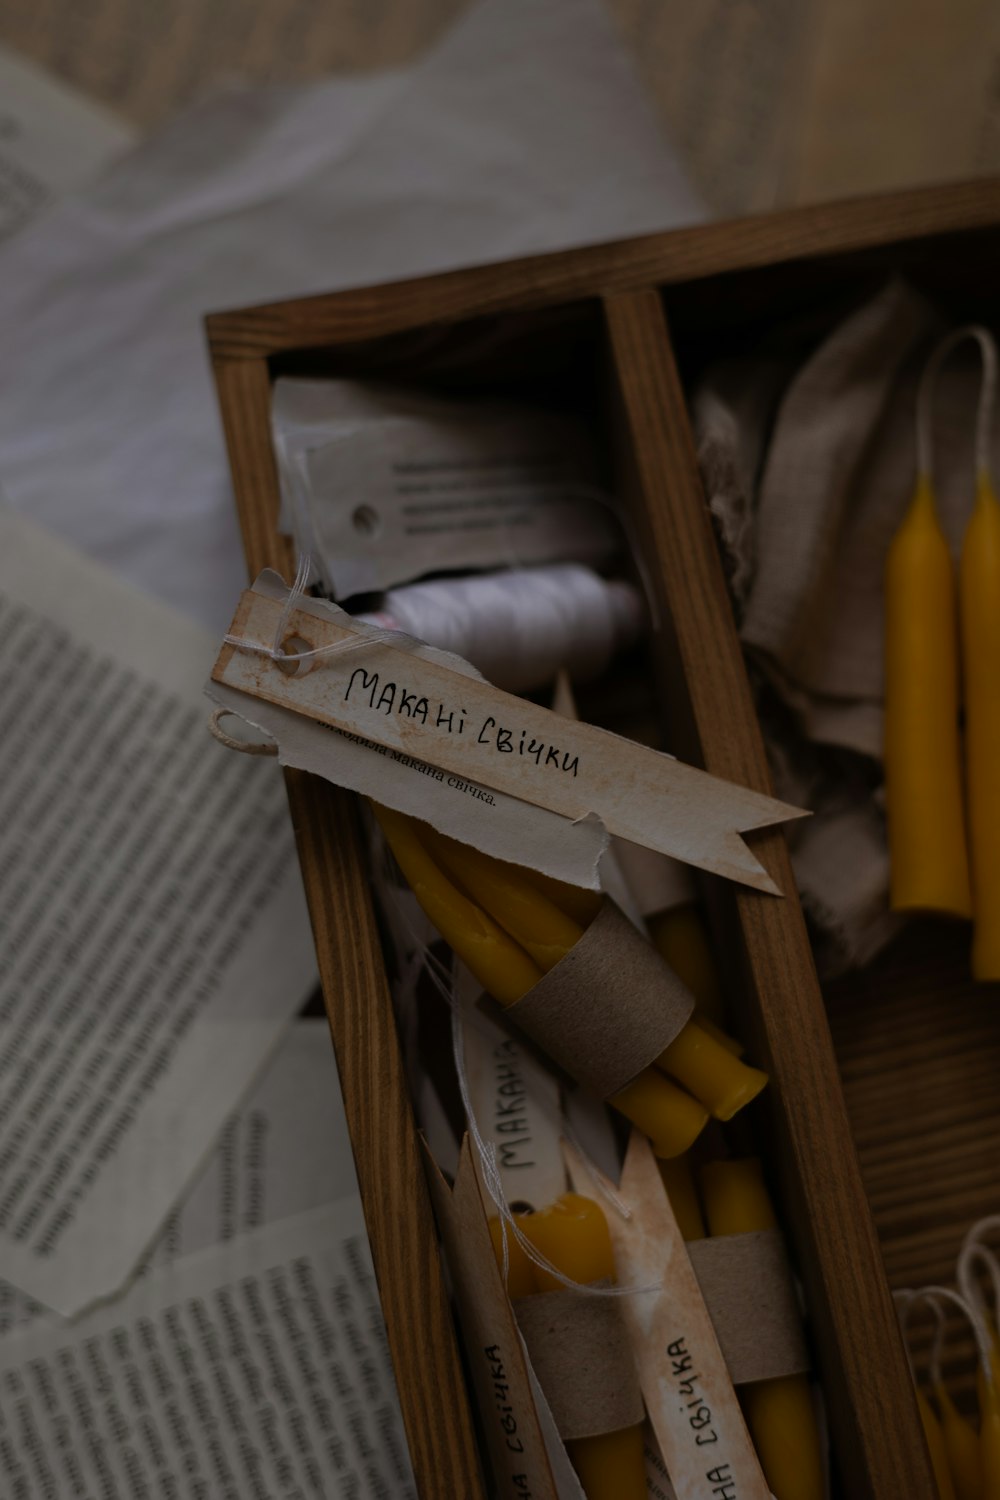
x=608, y=1008
x=579, y=1350
x=746, y=1282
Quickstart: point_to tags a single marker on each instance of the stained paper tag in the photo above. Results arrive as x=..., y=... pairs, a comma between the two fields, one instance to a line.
x=516, y=1104
x=689, y=1396
x=386, y=485
x=414, y=703
x=503, y=826
x=496, y=1357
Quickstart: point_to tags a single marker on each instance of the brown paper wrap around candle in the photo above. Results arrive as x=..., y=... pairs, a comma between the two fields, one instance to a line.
x=747, y=1285
x=579, y=1350
x=606, y=1009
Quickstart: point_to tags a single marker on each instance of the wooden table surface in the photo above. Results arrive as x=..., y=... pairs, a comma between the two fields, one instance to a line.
x=769, y=102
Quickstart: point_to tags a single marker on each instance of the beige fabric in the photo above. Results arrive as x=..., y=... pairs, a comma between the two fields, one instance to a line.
x=805, y=517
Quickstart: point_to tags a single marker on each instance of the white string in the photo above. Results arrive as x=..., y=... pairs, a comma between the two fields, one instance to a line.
x=971, y=1252
x=246, y=747
x=937, y=1343
x=933, y=1295
x=276, y=652
x=904, y=1298
x=987, y=398
x=519, y=627
x=516, y=627
x=990, y=1224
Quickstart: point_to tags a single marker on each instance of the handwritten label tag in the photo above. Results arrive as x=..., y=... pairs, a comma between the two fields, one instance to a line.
x=416, y=704
x=689, y=1396
x=460, y=489
x=516, y=1104
x=496, y=1357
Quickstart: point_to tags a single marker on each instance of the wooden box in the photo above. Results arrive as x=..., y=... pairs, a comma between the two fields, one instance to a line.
x=909, y=1079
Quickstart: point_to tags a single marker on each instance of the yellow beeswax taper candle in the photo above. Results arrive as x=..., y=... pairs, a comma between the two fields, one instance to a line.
x=989, y=1439
x=935, y=1447
x=961, y=1442
x=520, y=1277
x=573, y=1236
x=979, y=594
x=716, y=1077
x=929, y=867
x=681, y=939
x=678, y=1179
x=671, y=1118
x=779, y=1412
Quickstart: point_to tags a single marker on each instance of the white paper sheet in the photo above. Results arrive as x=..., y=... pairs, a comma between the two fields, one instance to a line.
x=155, y=935
x=254, y=1370
x=51, y=140
x=524, y=131
x=285, y=1151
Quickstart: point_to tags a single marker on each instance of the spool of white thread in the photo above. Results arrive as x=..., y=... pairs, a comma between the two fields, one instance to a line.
x=520, y=626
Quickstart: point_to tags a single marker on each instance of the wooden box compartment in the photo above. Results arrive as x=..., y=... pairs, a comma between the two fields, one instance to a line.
x=615, y=332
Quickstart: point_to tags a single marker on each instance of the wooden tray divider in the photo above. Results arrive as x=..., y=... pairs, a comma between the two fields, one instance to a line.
x=866, y=1377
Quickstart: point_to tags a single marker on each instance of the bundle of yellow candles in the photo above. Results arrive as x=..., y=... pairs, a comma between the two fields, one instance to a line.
x=780, y=1412
x=964, y=1452
x=572, y=1236
x=945, y=846
x=510, y=926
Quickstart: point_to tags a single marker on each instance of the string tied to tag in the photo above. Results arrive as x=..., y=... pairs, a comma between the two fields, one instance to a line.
x=275, y=649
x=987, y=398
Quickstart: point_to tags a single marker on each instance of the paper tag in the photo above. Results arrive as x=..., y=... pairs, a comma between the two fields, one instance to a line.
x=496, y=1357
x=655, y=882
x=461, y=485
x=689, y=1396
x=412, y=701
x=516, y=1104
x=503, y=826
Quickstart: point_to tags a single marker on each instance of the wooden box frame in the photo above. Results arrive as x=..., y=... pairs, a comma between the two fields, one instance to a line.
x=612, y=298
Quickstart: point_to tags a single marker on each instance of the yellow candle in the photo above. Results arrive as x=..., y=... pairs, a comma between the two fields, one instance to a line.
x=936, y=1448
x=731, y=1043
x=678, y=1179
x=712, y=1073
x=706, y=1068
x=506, y=971
x=573, y=1236
x=989, y=1436
x=520, y=1278
x=672, y=1119
x=521, y=908
x=498, y=963
x=680, y=938
x=779, y=1413
x=576, y=902
x=980, y=611
x=923, y=778
x=961, y=1443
